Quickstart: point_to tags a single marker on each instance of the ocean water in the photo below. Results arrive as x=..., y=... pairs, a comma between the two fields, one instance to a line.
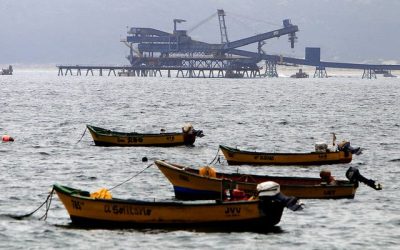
x=47, y=114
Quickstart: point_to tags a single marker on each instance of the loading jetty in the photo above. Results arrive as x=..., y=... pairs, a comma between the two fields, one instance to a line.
x=184, y=71
x=154, y=52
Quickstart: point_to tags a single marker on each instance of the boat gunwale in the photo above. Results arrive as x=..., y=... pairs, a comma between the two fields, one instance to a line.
x=302, y=163
x=235, y=150
x=182, y=192
x=109, y=133
x=182, y=169
x=74, y=193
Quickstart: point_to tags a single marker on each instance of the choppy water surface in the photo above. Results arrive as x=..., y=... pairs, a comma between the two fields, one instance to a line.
x=47, y=114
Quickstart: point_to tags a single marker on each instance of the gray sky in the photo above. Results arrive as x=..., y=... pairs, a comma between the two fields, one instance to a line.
x=89, y=31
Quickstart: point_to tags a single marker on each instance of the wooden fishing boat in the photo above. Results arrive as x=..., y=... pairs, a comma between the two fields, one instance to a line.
x=236, y=156
x=88, y=211
x=105, y=137
x=205, y=183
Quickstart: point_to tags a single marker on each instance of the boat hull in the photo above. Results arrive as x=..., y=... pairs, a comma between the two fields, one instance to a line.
x=103, y=137
x=240, y=157
x=87, y=211
x=190, y=185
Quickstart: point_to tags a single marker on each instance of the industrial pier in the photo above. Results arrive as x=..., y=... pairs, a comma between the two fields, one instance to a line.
x=154, y=52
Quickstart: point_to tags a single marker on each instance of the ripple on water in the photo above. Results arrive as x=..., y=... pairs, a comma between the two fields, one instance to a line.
x=276, y=115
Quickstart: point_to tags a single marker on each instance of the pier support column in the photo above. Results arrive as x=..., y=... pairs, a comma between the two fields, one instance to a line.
x=112, y=70
x=369, y=74
x=320, y=72
x=270, y=69
x=89, y=70
x=202, y=72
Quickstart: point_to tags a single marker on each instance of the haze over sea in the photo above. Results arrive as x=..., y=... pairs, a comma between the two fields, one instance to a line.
x=47, y=114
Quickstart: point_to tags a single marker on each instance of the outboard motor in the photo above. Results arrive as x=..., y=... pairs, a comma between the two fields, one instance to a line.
x=354, y=176
x=198, y=133
x=346, y=147
x=190, y=134
x=188, y=129
x=270, y=190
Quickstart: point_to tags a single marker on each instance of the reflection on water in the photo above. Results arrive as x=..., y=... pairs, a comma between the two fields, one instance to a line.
x=187, y=228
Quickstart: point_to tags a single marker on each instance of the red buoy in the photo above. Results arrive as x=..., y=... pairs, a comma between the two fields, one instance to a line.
x=7, y=138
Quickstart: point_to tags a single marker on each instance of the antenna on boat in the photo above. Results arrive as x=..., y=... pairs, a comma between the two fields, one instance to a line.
x=333, y=139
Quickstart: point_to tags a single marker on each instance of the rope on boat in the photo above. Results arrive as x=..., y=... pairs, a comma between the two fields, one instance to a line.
x=44, y=217
x=216, y=158
x=82, y=136
x=47, y=202
x=131, y=177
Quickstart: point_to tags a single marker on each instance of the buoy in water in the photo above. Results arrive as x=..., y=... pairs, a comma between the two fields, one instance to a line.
x=144, y=159
x=7, y=138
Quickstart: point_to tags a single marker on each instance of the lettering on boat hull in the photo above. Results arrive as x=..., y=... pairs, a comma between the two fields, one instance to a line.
x=126, y=210
x=322, y=156
x=77, y=205
x=135, y=139
x=232, y=211
x=170, y=138
x=264, y=157
x=329, y=192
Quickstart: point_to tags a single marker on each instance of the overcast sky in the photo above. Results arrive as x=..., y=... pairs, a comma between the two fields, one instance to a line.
x=89, y=31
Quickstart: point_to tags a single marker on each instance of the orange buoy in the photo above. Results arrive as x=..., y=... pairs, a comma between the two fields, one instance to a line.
x=7, y=138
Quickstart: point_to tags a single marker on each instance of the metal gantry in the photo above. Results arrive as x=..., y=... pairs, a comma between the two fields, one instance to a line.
x=153, y=51
x=192, y=58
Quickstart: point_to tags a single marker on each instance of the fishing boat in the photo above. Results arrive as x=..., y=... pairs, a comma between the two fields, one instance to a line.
x=8, y=71
x=205, y=183
x=105, y=137
x=87, y=210
x=322, y=155
x=300, y=74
